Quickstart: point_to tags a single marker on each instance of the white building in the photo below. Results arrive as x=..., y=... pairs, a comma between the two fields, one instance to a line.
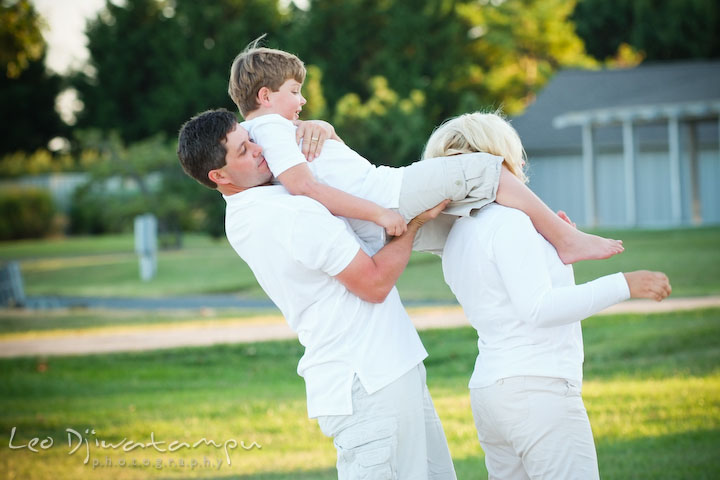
x=628, y=147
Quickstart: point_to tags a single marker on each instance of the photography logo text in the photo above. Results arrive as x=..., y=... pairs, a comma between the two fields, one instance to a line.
x=93, y=448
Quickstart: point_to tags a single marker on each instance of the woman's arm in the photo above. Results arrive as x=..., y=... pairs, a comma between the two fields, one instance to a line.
x=312, y=134
x=520, y=259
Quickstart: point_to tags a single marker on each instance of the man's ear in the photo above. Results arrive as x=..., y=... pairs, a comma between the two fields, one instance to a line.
x=218, y=176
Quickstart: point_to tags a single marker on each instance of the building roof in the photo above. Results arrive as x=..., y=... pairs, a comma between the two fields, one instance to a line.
x=576, y=94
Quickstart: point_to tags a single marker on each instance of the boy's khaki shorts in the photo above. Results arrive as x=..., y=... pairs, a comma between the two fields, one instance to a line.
x=470, y=180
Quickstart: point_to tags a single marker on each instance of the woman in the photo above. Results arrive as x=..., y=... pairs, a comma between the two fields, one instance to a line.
x=525, y=389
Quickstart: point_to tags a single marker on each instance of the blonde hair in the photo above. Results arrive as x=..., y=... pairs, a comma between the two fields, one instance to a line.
x=479, y=132
x=257, y=67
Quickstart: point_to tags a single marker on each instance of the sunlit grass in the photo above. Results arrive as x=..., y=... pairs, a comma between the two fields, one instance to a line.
x=652, y=390
x=34, y=323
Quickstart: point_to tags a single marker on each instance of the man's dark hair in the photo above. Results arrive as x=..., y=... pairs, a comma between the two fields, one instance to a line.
x=201, y=143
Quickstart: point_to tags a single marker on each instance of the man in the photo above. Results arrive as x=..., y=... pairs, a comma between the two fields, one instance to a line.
x=363, y=371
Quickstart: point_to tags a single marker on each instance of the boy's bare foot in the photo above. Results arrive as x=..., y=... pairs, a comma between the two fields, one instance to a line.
x=584, y=246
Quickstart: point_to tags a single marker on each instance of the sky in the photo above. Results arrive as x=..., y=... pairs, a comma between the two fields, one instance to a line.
x=64, y=33
x=66, y=26
x=65, y=30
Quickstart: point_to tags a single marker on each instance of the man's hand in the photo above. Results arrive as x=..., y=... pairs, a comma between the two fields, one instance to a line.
x=372, y=278
x=393, y=223
x=428, y=215
x=646, y=284
x=313, y=134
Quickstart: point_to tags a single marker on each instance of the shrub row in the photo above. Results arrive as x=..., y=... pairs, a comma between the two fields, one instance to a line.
x=25, y=213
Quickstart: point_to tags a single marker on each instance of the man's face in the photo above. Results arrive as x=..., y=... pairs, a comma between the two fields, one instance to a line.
x=245, y=165
x=288, y=100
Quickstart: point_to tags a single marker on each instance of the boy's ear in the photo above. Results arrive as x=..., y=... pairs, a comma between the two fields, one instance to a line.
x=218, y=176
x=263, y=96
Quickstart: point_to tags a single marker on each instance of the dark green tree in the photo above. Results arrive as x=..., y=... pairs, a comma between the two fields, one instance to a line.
x=414, y=44
x=661, y=29
x=28, y=118
x=462, y=56
x=154, y=63
x=21, y=41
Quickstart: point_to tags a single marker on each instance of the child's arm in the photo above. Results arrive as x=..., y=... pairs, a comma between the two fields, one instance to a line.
x=299, y=180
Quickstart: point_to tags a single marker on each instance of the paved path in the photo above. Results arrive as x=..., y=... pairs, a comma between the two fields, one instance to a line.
x=263, y=328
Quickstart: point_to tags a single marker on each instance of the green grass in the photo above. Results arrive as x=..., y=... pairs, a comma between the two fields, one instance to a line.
x=690, y=257
x=15, y=321
x=652, y=390
x=107, y=266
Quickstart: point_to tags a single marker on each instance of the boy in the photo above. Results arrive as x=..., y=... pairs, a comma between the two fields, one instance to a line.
x=266, y=85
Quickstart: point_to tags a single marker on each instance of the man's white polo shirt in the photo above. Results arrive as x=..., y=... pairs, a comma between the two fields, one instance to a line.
x=295, y=247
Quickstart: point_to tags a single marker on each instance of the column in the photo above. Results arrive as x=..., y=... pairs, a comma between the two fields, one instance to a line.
x=695, y=199
x=674, y=151
x=629, y=151
x=589, y=173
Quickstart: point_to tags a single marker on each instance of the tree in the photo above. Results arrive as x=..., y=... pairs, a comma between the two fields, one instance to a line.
x=21, y=41
x=143, y=177
x=661, y=29
x=517, y=46
x=28, y=118
x=155, y=63
x=414, y=44
x=462, y=56
x=386, y=128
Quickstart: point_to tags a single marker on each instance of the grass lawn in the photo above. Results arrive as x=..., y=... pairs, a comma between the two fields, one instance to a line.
x=652, y=389
x=15, y=322
x=107, y=266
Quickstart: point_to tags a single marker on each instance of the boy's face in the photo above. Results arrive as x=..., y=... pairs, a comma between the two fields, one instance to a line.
x=288, y=100
x=245, y=165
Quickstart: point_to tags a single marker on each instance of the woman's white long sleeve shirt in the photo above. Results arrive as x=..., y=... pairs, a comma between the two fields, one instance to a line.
x=520, y=297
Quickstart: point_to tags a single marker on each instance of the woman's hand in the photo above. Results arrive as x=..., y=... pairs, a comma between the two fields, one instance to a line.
x=313, y=134
x=565, y=218
x=646, y=284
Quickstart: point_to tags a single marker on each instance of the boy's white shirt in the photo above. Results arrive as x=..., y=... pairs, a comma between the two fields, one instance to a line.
x=337, y=165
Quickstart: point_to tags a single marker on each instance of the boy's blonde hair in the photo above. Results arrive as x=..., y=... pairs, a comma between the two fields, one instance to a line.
x=479, y=132
x=257, y=67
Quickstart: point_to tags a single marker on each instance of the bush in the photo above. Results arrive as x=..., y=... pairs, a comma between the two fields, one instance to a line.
x=385, y=129
x=25, y=213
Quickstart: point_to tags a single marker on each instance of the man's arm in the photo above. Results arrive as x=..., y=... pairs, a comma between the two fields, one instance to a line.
x=372, y=278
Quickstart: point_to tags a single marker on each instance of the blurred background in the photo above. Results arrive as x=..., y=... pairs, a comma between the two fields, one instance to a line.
x=92, y=95
x=617, y=103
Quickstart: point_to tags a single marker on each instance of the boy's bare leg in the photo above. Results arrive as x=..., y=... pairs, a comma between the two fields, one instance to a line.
x=571, y=244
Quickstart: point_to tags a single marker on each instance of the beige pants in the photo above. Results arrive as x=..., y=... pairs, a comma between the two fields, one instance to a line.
x=469, y=180
x=394, y=433
x=534, y=427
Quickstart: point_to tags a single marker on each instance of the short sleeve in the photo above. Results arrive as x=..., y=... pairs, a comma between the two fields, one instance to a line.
x=276, y=136
x=322, y=242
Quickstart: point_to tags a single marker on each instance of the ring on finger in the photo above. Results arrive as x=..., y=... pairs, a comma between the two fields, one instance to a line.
x=314, y=139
